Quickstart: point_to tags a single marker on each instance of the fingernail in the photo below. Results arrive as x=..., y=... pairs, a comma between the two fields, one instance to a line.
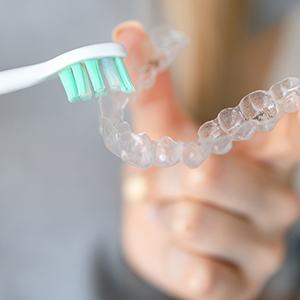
x=132, y=24
x=133, y=36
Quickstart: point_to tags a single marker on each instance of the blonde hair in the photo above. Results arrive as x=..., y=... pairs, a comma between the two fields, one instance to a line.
x=224, y=60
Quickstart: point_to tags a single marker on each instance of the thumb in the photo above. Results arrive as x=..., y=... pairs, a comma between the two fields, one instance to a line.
x=155, y=111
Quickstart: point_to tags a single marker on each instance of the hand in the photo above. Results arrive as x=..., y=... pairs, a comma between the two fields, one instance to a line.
x=216, y=232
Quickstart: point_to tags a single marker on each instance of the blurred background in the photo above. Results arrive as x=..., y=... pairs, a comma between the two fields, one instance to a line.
x=59, y=186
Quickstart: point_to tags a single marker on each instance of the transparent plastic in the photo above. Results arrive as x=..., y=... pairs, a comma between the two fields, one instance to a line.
x=257, y=111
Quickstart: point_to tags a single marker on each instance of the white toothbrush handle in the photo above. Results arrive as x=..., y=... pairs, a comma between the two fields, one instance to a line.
x=20, y=78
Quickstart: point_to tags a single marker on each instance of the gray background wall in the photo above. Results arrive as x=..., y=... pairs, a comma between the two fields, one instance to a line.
x=58, y=184
x=56, y=178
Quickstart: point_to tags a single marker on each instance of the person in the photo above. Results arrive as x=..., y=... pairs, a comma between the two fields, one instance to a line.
x=218, y=231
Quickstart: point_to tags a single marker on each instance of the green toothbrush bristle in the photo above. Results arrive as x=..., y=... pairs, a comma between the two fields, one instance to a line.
x=79, y=78
x=126, y=84
x=67, y=78
x=95, y=75
x=81, y=81
x=110, y=73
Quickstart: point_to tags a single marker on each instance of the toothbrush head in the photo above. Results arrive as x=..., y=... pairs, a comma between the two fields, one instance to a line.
x=98, y=68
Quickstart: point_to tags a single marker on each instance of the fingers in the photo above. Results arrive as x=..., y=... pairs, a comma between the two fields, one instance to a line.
x=216, y=233
x=152, y=253
x=196, y=251
x=191, y=276
x=139, y=48
x=155, y=112
x=248, y=189
x=237, y=185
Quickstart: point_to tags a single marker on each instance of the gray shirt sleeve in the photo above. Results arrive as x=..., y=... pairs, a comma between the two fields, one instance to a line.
x=116, y=280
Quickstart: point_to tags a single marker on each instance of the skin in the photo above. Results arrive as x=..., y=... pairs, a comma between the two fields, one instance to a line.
x=215, y=232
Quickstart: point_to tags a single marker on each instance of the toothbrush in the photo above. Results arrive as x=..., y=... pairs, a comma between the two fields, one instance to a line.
x=83, y=72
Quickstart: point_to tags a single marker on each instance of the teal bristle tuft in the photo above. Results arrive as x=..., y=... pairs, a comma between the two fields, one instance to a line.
x=95, y=76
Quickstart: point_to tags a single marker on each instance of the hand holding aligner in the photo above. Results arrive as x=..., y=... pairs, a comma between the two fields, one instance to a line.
x=257, y=111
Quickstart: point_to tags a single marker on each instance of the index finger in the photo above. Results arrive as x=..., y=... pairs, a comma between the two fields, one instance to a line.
x=155, y=111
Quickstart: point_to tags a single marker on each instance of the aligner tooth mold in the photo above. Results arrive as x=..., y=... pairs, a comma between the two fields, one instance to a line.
x=257, y=111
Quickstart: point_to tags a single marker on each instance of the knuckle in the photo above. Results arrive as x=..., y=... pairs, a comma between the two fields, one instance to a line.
x=189, y=275
x=188, y=221
x=273, y=256
x=204, y=279
x=210, y=277
x=183, y=228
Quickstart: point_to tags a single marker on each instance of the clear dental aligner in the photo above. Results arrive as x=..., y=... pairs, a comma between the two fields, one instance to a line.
x=257, y=111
